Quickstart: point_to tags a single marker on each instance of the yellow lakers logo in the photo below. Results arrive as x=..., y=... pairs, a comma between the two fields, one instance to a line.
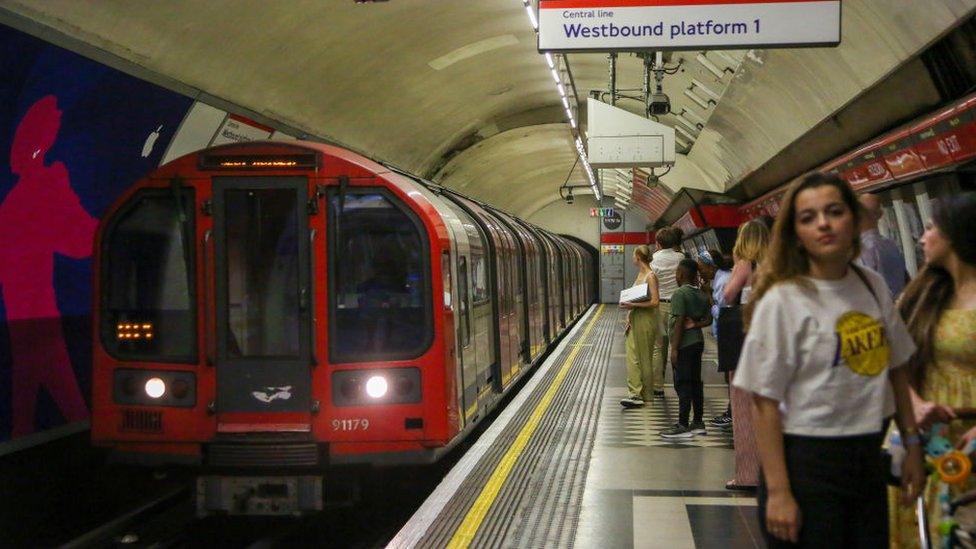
x=863, y=344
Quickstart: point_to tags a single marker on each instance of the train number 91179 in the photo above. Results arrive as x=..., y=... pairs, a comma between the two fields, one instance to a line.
x=355, y=424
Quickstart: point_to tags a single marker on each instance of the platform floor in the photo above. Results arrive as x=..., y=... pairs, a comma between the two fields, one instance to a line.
x=564, y=465
x=642, y=491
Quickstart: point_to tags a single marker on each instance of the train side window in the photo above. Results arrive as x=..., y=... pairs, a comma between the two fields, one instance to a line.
x=463, y=301
x=380, y=301
x=479, y=277
x=446, y=275
x=147, y=302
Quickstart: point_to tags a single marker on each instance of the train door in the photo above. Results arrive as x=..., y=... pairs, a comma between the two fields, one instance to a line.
x=262, y=299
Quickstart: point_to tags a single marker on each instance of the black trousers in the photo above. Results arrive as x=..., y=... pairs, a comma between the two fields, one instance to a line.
x=688, y=382
x=839, y=486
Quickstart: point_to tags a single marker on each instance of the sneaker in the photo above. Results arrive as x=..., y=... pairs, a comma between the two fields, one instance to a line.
x=698, y=428
x=631, y=402
x=678, y=432
x=659, y=393
x=721, y=421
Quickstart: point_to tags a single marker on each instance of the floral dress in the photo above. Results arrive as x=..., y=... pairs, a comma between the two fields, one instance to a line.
x=952, y=382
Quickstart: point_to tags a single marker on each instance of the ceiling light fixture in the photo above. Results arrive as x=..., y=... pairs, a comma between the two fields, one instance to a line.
x=707, y=91
x=728, y=58
x=692, y=115
x=701, y=102
x=684, y=132
x=712, y=67
x=689, y=124
x=532, y=19
x=551, y=62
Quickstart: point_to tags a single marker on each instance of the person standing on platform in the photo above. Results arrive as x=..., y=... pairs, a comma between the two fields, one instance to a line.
x=723, y=271
x=750, y=248
x=824, y=361
x=664, y=263
x=641, y=332
x=877, y=252
x=940, y=308
x=689, y=314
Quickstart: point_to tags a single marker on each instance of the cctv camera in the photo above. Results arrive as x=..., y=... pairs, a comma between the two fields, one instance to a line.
x=659, y=104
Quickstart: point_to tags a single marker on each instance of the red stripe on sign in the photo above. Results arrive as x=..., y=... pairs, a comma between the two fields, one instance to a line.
x=570, y=4
x=249, y=122
x=624, y=238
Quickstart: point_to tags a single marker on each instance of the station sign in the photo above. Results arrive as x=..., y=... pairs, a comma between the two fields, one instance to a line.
x=601, y=212
x=632, y=25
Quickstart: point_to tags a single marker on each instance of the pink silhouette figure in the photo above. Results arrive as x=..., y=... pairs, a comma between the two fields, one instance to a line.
x=41, y=216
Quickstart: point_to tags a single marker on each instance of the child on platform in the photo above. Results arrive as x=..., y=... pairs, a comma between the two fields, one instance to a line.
x=689, y=314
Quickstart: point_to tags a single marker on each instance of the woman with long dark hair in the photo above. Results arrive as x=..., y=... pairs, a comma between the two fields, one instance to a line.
x=824, y=360
x=939, y=306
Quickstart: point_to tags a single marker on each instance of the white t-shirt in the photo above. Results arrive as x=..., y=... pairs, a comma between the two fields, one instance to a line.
x=823, y=353
x=664, y=263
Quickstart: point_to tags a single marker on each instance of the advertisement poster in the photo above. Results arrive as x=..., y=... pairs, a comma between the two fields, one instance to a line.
x=73, y=134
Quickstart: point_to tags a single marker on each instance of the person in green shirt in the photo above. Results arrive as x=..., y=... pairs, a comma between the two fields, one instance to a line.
x=689, y=314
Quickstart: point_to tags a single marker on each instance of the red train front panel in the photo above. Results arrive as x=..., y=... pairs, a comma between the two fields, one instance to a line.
x=268, y=288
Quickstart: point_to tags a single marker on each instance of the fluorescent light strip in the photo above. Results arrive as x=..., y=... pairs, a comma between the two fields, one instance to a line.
x=688, y=124
x=693, y=115
x=701, y=102
x=728, y=58
x=550, y=61
x=528, y=9
x=712, y=68
x=684, y=132
x=704, y=88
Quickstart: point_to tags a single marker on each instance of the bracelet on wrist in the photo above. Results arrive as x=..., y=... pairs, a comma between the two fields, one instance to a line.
x=912, y=440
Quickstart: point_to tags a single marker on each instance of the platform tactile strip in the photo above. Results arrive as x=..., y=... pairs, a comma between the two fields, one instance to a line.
x=539, y=504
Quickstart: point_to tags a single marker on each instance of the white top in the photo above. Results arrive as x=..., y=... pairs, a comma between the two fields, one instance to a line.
x=823, y=352
x=664, y=263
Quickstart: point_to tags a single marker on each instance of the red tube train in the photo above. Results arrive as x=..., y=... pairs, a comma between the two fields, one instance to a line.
x=265, y=310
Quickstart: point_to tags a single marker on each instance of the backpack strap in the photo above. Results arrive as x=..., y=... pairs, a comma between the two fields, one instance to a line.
x=864, y=279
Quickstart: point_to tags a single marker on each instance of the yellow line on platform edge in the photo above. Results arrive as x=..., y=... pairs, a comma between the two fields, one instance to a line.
x=465, y=533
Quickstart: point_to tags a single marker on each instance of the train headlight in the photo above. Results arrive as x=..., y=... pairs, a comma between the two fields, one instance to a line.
x=155, y=387
x=377, y=386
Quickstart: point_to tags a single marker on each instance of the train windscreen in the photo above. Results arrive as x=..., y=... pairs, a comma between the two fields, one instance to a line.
x=379, y=277
x=146, y=294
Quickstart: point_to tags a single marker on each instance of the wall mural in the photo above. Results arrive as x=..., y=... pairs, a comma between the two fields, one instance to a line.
x=74, y=134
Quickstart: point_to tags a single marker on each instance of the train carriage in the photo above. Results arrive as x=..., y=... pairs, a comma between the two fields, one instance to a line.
x=265, y=310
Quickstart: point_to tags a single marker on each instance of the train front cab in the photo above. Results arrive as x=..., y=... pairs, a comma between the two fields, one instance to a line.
x=272, y=320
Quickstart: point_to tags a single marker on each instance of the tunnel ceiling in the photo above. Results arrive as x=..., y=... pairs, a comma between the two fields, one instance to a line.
x=455, y=90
